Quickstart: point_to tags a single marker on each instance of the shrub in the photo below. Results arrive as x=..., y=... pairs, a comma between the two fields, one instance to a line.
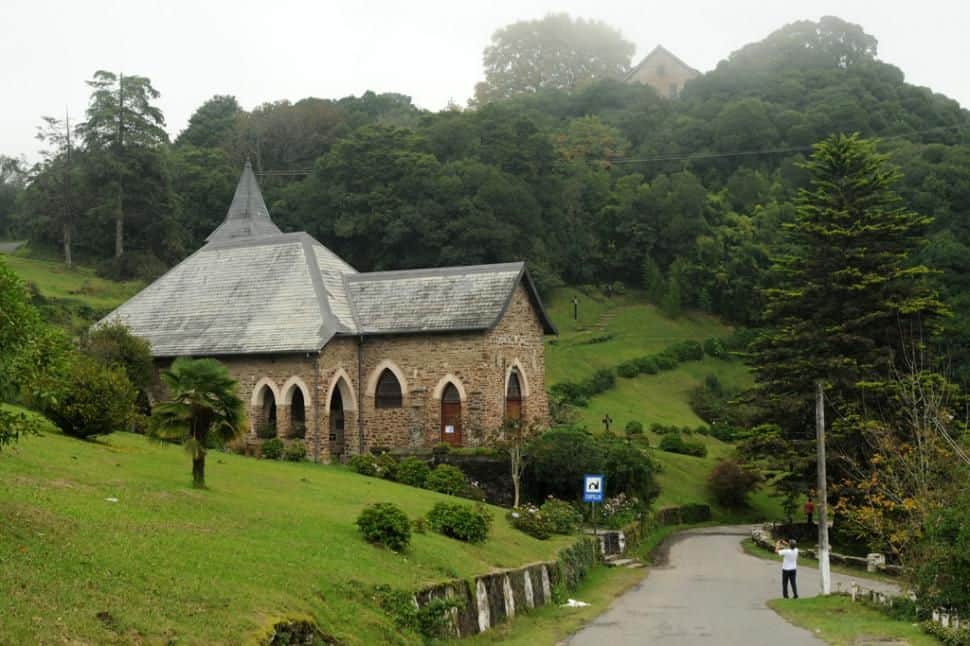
x=620, y=510
x=365, y=465
x=295, y=451
x=87, y=399
x=387, y=524
x=529, y=519
x=601, y=381
x=560, y=458
x=634, y=427
x=686, y=351
x=446, y=479
x=272, y=449
x=412, y=471
x=647, y=365
x=628, y=369
x=665, y=361
x=266, y=430
x=113, y=345
x=675, y=443
x=463, y=522
x=576, y=561
x=386, y=466
x=730, y=483
x=628, y=470
x=560, y=517
x=942, y=558
x=714, y=347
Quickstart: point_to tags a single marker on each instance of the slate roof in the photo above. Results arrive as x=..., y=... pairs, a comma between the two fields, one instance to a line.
x=254, y=290
x=247, y=215
x=447, y=299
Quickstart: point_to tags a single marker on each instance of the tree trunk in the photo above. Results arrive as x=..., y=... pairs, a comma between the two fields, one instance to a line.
x=119, y=231
x=198, y=472
x=67, y=244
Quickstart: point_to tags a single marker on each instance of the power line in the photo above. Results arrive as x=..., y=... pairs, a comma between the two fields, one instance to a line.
x=764, y=151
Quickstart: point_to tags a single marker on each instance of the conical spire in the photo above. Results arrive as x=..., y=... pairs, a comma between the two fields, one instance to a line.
x=248, y=215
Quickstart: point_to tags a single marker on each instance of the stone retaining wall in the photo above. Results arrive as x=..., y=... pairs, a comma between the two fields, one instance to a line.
x=494, y=598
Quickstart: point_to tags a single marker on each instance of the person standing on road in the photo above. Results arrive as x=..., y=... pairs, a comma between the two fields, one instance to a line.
x=789, y=565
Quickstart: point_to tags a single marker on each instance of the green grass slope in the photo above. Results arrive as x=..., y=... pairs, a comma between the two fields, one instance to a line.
x=70, y=297
x=610, y=330
x=167, y=563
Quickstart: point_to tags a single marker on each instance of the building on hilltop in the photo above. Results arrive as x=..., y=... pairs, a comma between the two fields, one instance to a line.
x=350, y=361
x=663, y=71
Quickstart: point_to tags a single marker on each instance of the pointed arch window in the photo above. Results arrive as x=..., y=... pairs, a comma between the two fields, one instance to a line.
x=513, y=398
x=388, y=394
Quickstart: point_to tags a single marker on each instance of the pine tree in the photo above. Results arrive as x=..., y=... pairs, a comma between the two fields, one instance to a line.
x=846, y=291
x=653, y=280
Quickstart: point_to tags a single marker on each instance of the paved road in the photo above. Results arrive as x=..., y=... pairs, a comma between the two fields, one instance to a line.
x=708, y=592
x=10, y=247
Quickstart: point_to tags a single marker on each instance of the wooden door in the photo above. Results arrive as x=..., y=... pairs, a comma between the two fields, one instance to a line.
x=451, y=416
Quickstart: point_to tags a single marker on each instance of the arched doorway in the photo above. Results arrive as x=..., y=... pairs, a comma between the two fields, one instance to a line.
x=451, y=415
x=266, y=411
x=338, y=444
x=513, y=398
x=297, y=414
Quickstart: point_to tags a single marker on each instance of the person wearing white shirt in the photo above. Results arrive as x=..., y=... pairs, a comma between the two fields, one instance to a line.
x=789, y=565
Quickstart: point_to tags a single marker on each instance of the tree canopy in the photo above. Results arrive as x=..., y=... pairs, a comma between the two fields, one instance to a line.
x=556, y=52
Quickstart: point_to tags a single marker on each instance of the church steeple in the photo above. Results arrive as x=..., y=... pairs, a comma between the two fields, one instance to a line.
x=248, y=215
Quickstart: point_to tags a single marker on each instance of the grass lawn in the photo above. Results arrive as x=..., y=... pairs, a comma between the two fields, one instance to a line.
x=635, y=327
x=166, y=562
x=54, y=280
x=838, y=620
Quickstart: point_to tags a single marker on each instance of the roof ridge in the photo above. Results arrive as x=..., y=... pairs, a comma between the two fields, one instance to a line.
x=449, y=270
x=328, y=321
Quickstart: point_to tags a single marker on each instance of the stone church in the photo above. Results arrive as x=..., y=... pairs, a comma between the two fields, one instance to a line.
x=349, y=361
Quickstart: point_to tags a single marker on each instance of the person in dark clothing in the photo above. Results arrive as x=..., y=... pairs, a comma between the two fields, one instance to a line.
x=789, y=566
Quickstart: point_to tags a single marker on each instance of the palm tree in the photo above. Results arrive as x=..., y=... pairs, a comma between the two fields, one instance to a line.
x=203, y=410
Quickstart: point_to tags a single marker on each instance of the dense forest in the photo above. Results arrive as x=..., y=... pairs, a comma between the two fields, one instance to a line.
x=591, y=181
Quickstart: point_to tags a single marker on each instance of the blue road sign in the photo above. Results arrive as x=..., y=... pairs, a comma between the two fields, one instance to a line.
x=593, y=488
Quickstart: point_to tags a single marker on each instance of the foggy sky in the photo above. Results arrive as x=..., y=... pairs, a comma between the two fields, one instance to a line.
x=430, y=50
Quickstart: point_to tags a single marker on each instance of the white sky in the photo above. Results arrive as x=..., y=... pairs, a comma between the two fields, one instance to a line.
x=428, y=49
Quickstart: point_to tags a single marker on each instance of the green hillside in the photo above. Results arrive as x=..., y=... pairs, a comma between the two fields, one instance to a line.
x=69, y=297
x=613, y=329
x=165, y=562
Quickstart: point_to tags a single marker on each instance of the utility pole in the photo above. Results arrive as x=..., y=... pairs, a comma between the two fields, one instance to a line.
x=823, y=528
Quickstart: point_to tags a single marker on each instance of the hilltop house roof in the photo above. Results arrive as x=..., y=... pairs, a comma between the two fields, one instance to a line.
x=253, y=290
x=658, y=51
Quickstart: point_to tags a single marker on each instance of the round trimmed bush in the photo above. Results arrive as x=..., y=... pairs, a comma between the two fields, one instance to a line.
x=560, y=517
x=464, y=522
x=647, y=365
x=412, y=471
x=628, y=369
x=295, y=451
x=88, y=399
x=634, y=427
x=365, y=465
x=272, y=449
x=387, y=524
x=530, y=520
x=446, y=479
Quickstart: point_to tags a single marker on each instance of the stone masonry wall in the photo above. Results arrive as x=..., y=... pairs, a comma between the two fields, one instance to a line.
x=479, y=365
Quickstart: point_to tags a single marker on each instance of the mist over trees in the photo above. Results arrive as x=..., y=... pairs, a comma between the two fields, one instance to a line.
x=588, y=178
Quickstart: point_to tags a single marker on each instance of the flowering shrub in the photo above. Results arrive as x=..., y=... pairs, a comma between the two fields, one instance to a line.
x=529, y=519
x=619, y=510
x=560, y=517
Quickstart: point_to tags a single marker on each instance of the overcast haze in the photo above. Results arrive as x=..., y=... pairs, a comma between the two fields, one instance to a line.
x=272, y=50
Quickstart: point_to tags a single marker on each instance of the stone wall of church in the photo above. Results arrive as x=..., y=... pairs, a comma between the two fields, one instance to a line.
x=477, y=363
